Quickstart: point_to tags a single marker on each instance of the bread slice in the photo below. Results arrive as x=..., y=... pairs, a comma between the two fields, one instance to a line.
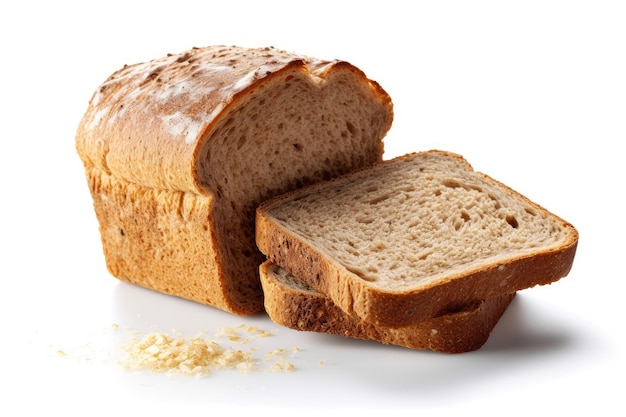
x=295, y=305
x=180, y=150
x=413, y=238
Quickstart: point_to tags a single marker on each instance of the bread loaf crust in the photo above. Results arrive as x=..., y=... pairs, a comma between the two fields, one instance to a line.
x=397, y=308
x=464, y=330
x=149, y=140
x=148, y=123
x=139, y=225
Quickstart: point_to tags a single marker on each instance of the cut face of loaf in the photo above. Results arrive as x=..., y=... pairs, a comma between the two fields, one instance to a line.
x=179, y=151
x=293, y=304
x=414, y=237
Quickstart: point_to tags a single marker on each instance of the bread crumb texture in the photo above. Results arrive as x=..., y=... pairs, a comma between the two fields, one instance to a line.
x=202, y=355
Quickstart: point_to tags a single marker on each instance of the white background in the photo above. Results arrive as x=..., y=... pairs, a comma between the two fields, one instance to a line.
x=532, y=93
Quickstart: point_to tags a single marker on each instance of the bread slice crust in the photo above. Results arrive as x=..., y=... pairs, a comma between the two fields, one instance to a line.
x=318, y=266
x=292, y=304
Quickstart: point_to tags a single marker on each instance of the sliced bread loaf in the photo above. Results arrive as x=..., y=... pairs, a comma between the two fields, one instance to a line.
x=413, y=238
x=180, y=150
x=293, y=304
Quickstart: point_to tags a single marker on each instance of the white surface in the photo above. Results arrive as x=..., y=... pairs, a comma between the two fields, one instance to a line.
x=532, y=94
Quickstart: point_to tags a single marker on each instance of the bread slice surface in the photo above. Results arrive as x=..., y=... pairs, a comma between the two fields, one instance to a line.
x=413, y=237
x=293, y=304
x=205, y=133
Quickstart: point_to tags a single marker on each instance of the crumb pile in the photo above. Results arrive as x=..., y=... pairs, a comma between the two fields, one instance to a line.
x=201, y=355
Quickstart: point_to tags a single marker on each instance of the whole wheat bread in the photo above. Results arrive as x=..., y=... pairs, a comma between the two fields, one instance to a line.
x=413, y=238
x=180, y=150
x=295, y=305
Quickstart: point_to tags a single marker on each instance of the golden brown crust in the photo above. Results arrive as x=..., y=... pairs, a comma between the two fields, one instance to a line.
x=401, y=308
x=139, y=225
x=147, y=122
x=144, y=141
x=464, y=330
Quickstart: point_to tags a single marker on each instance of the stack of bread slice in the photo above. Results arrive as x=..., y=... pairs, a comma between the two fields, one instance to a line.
x=419, y=251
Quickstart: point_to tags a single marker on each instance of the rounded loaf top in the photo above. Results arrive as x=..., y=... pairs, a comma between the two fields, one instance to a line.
x=147, y=121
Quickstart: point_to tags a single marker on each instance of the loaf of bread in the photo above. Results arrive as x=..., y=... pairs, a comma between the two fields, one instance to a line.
x=413, y=238
x=295, y=305
x=179, y=151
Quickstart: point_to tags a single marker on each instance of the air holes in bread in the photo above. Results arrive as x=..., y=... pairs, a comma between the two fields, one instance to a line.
x=461, y=220
x=511, y=220
x=496, y=204
x=242, y=141
x=352, y=251
x=364, y=218
x=451, y=184
x=379, y=198
x=422, y=256
x=407, y=188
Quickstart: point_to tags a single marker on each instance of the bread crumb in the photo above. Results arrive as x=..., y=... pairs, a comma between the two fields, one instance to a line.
x=200, y=355
x=251, y=329
x=161, y=353
x=279, y=358
x=282, y=366
x=257, y=331
x=225, y=331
